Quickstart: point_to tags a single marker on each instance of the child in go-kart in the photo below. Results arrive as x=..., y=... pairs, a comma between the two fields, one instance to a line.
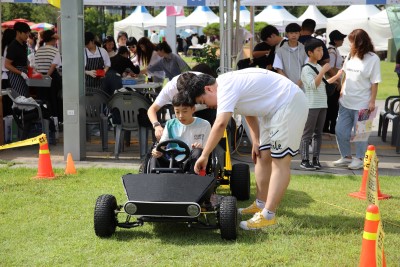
x=191, y=130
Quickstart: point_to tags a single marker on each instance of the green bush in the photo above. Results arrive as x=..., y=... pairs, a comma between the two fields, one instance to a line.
x=209, y=56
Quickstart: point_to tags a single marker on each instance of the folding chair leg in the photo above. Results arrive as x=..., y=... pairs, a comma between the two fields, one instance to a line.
x=104, y=133
x=385, y=126
x=380, y=125
x=118, y=140
x=143, y=140
x=395, y=132
x=398, y=138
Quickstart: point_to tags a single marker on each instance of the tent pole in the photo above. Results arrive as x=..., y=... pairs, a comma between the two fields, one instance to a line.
x=229, y=33
x=252, y=31
x=222, y=38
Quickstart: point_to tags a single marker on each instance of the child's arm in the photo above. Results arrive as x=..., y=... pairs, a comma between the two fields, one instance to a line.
x=325, y=68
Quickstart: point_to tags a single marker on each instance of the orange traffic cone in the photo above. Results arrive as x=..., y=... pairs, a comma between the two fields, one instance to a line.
x=361, y=194
x=70, y=169
x=368, y=249
x=45, y=169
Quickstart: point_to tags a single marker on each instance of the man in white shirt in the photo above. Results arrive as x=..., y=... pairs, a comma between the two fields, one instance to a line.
x=275, y=110
x=154, y=38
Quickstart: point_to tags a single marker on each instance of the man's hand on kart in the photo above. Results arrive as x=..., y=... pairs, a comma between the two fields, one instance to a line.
x=196, y=145
x=201, y=164
x=255, y=153
x=156, y=154
x=158, y=132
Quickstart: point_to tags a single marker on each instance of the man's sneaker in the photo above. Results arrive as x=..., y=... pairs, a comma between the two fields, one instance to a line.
x=250, y=210
x=316, y=163
x=342, y=162
x=307, y=166
x=356, y=164
x=257, y=222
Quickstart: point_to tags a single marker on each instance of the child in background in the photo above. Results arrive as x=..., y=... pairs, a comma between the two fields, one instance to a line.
x=317, y=102
x=191, y=130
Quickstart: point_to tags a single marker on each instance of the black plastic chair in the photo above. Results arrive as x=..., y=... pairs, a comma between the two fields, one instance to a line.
x=26, y=115
x=386, y=111
x=132, y=108
x=394, y=116
x=96, y=104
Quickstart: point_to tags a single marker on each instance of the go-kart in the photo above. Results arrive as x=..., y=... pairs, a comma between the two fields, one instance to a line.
x=236, y=176
x=168, y=195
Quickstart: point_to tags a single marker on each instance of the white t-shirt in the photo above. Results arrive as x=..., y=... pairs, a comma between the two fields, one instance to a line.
x=253, y=92
x=96, y=54
x=170, y=90
x=360, y=75
x=196, y=132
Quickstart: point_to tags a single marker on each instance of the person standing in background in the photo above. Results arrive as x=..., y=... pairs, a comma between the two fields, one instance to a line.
x=96, y=61
x=397, y=69
x=17, y=59
x=147, y=56
x=7, y=38
x=122, y=38
x=363, y=73
x=110, y=46
x=336, y=39
x=154, y=37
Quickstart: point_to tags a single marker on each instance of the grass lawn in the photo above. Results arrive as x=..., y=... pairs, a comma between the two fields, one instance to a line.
x=50, y=223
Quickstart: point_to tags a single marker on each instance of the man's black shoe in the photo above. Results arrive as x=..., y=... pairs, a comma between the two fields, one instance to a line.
x=307, y=166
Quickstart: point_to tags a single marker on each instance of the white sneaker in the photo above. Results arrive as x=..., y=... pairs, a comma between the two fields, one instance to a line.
x=356, y=164
x=342, y=162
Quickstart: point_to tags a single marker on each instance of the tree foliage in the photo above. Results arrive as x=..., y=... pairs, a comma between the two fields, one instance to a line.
x=32, y=12
x=98, y=22
x=211, y=29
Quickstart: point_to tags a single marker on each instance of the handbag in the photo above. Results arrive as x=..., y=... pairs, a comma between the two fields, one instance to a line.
x=329, y=87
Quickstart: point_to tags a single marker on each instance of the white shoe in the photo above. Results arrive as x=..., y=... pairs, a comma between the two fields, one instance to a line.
x=356, y=164
x=342, y=162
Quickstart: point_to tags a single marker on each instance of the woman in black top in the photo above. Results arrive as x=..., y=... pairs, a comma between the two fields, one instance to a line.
x=17, y=59
x=120, y=63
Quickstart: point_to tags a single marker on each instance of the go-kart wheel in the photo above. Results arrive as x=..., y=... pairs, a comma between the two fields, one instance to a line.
x=240, y=181
x=145, y=166
x=228, y=218
x=173, y=152
x=105, y=217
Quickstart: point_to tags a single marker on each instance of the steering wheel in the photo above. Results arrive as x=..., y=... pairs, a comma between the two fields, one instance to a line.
x=175, y=151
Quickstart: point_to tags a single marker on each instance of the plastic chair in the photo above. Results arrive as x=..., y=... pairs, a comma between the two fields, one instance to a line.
x=394, y=116
x=96, y=103
x=386, y=111
x=25, y=118
x=132, y=108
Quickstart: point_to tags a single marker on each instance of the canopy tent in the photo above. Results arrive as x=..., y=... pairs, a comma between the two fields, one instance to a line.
x=277, y=16
x=358, y=17
x=313, y=12
x=200, y=17
x=160, y=21
x=244, y=15
x=379, y=30
x=133, y=25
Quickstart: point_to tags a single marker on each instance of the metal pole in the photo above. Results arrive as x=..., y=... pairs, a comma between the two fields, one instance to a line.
x=229, y=25
x=222, y=45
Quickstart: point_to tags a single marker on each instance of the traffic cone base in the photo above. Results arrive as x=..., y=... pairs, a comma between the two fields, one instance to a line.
x=70, y=169
x=45, y=168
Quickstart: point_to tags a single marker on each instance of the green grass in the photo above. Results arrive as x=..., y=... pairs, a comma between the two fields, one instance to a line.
x=50, y=223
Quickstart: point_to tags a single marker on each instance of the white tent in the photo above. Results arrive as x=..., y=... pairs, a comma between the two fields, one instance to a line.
x=277, y=16
x=200, y=17
x=244, y=15
x=379, y=30
x=160, y=21
x=357, y=17
x=313, y=12
x=133, y=25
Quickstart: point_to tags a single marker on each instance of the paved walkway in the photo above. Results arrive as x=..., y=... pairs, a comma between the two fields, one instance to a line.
x=389, y=161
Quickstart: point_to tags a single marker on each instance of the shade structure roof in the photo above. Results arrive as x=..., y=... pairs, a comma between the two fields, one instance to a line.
x=160, y=20
x=137, y=18
x=312, y=12
x=200, y=17
x=276, y=15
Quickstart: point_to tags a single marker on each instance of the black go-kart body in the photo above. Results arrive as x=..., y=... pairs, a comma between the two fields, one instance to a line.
x=168, y=195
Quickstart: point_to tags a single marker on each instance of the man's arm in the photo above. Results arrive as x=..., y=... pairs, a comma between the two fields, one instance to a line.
x=217, y=131
x=152, y=114
x=254, y=128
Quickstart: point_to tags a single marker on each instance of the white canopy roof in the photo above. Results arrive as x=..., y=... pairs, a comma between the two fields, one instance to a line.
x=244, y=15
x=133, y=25
x=160, y=21
x=313, y=12
x=359, y=17
x=200, y=17
x=277, y=16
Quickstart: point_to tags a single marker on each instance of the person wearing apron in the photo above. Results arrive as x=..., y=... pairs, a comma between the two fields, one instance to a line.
x=96, y=58
x=17, y=59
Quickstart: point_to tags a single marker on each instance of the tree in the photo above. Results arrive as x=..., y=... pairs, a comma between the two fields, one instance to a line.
x=31, y=12
x=99, y=23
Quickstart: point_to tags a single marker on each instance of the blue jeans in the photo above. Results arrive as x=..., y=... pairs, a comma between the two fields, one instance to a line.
x=346, y=122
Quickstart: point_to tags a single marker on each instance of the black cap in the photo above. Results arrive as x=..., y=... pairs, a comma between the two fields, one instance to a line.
x=336, y=35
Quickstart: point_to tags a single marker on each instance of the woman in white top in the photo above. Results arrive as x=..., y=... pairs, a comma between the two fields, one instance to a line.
x=147, y=56
x=362, y=68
